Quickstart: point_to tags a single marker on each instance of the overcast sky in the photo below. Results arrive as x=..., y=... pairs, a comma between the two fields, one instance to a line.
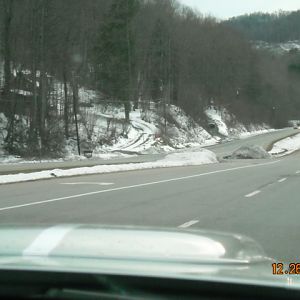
x=224, y=9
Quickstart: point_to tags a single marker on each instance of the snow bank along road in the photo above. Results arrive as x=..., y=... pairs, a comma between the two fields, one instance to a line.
x=259, y=198
x=202, y=156
x=220, y=149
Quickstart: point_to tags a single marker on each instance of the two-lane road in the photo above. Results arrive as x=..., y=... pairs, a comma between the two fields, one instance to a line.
x=264, y=140
x=259, y=198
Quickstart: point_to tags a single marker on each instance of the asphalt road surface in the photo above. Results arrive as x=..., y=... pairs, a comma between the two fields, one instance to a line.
x=264, y=140
x=258, y=198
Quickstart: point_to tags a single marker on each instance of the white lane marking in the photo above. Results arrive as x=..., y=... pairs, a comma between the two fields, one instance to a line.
x=47, y=240
x=252, y=194
x=282, y=179
x=135, y=186
x=297, y=172
x=88, y=183
x=188, y=224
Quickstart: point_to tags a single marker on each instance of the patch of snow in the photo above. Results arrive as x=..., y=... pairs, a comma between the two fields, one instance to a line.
x=1, y=73
x=247, y=134
x=22, y=92
x=215, y=116
x=140, y=137
x=278, y=48
x=190, y=158
x=229, y=127
x=286, y=146
x=87, y=95
x=3, y=131
x=19, y=160
x=143, y=134
x=250, y=152
x=10, y=159
x=172, y=160
x=290, y=45
x=26, y=72
x=186, y=132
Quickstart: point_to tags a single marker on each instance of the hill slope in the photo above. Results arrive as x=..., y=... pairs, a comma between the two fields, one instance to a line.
x=276, y=28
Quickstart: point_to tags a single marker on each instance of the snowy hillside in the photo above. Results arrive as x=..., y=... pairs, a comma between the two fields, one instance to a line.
x=103, y=124
x=278, y=48
x=228, y=126
x=103, y=129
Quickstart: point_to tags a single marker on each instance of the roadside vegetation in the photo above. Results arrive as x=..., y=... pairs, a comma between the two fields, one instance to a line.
x=134, y=54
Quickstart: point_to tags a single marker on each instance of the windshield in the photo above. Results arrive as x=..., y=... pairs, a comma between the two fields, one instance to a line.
x=163, y=114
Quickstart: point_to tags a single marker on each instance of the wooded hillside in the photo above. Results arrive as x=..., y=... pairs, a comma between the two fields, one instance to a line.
x=133, y=52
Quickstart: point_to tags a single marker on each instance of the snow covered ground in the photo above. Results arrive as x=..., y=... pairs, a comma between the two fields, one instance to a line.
x=202, y=156
x=250, y=152
x=11, y=159
x=247, y=134
x=217, y=118
x=103, y=128
x=286, y=146
x=228, y=126
x=110, y=137
x=278, y=48
x=141, y=135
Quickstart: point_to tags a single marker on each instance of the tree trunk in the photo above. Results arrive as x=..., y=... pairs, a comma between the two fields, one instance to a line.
x=7, y=47
x=75, y=106
x=130, y=87
x=43, y=78
x=34, y=105
x=127, y=110
x=34, y=62
x=66, y=106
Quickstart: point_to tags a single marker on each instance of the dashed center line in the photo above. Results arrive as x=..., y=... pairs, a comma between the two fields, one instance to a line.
x=188, y=224
x=282, y=179
x=252, y=194
x=258, y=191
